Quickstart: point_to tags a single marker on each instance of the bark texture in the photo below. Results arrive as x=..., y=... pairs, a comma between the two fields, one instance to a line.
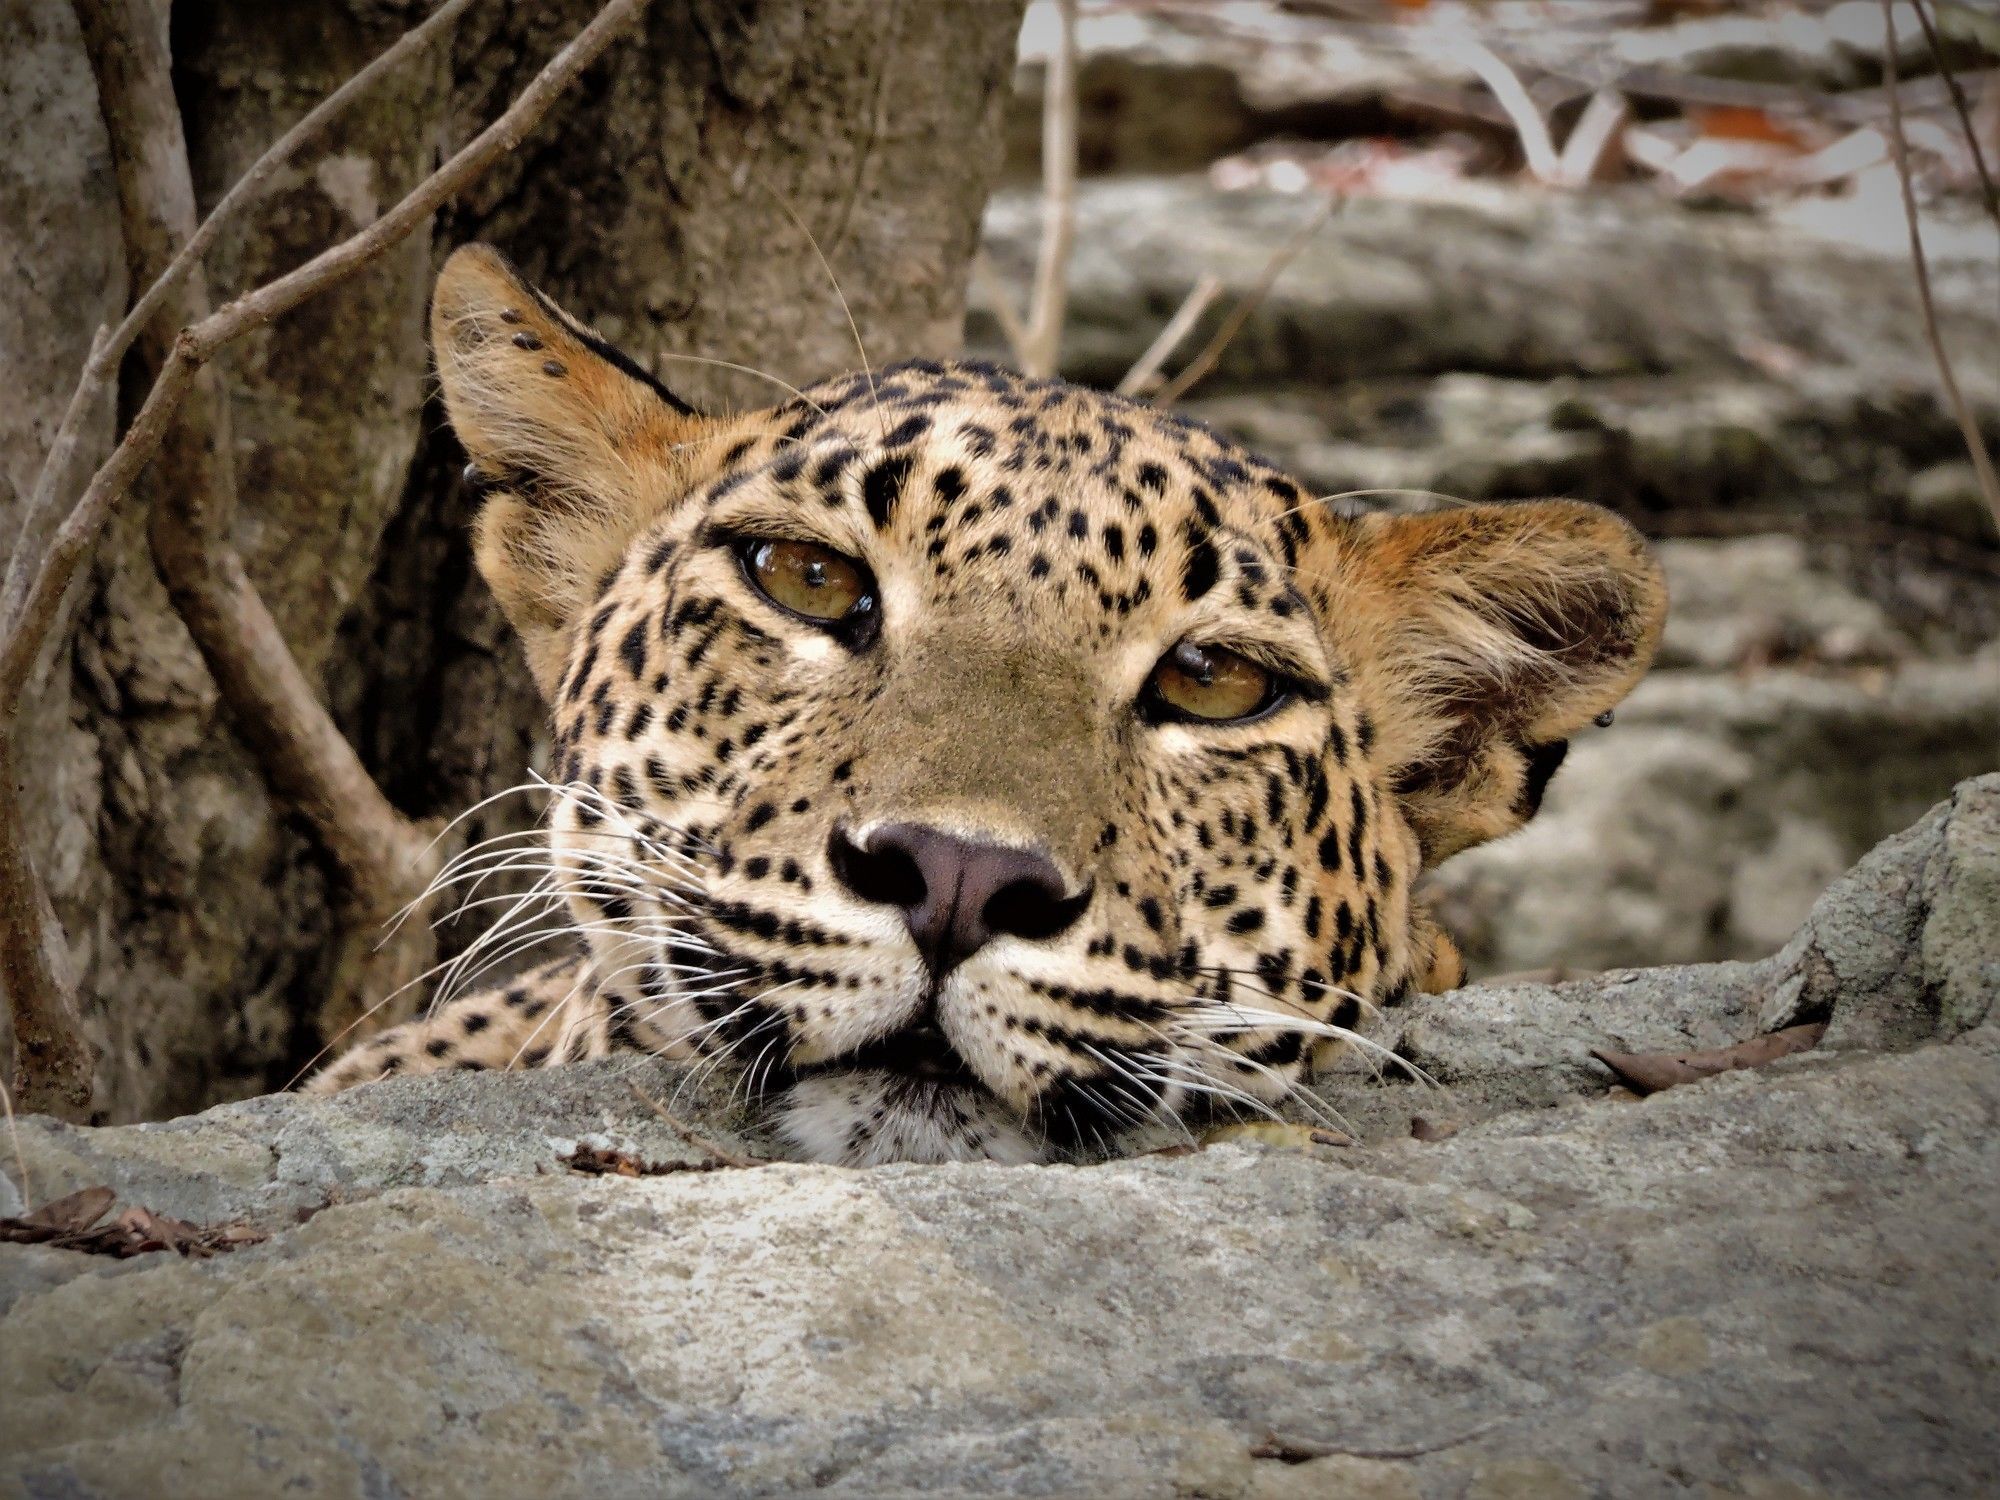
x=197, y=913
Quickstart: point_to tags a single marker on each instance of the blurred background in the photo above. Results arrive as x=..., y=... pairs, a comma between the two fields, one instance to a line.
x=1693, y=302
x=1650, y=253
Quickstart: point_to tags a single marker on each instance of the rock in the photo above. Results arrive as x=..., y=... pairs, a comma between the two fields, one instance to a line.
x=1642, y=354
x=1751, y=601
x=1616, y=283
x=1946, y=498
x=1769, y=1282
x=1839, y=445
x=1705, y=821
x=1900, y=951
x=1169, y=87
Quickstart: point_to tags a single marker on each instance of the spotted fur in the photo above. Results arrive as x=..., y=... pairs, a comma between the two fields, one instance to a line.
x=1244, y=891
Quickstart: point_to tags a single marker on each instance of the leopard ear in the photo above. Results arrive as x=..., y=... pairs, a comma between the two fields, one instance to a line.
x=1485, y=636
x=577, y=447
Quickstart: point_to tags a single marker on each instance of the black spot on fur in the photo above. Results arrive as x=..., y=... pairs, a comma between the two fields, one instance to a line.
x=884, y=487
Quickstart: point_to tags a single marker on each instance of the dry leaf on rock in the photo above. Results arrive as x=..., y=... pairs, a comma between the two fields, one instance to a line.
x=606, y=1161
x=72, y=1223
x=1649, y=1072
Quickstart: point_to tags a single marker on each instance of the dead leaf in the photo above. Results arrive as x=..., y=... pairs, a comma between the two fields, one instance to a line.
x=1650, y=1072
x=1739, y=122
x=1423, y=1129
x=74, y=1214
x=72, y=1224
x=603, y=1161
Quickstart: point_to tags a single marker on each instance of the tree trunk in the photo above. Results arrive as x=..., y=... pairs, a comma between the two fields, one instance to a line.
x=649, y=201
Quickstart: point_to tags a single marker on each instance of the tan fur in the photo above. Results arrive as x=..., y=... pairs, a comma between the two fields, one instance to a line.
x=606, y=454
x=528, y=1022
x=1432, y=609
x=1246, y=889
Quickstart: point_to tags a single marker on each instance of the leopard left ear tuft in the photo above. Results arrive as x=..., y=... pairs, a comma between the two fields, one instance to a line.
x=574, y=446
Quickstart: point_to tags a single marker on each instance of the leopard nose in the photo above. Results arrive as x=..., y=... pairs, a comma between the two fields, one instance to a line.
x=956, y=895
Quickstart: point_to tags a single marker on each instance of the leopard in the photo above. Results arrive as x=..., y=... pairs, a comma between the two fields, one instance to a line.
x=984, y=766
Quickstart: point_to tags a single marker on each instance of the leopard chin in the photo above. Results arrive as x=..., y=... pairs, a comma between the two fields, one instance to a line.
x=866, y=1117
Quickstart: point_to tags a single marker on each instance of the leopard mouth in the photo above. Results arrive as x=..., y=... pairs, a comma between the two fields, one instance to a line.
x=919, y=1051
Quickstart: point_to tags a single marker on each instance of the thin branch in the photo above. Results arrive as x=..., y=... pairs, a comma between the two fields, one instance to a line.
x=1512, y=96
x=1962, y=106
x=694, y=1137
x=1298, y=1450
x=1049, y=302
x=1198, y=369
x=52, y=1067
x=276, y=712
x=20, y=1156
x=1968, y=424
x=1146, y=368
x=1589, y=153
x=1011, y=327
x=102, y=366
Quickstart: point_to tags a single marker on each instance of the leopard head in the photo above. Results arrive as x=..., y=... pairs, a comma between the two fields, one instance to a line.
x=985, y=765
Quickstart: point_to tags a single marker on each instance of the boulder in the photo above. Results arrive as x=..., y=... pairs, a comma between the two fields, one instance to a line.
x=1704, y=822
x=1771, y=1283
x=1496, y=340
x=1171, y=86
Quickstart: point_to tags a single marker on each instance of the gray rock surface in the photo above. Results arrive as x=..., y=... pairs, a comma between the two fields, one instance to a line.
x=1499, y=340
x=1173, y=85
x=1776, y=1283
x=1704, y=822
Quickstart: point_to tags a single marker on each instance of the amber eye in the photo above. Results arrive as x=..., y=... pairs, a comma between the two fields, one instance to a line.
x=1211, y=684
x=810, y=580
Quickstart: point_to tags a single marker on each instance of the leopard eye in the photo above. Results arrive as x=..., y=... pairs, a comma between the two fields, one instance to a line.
x=1211, y=684
x=809, y=580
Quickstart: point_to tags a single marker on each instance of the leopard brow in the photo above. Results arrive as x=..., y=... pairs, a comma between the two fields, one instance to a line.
x=766, y=525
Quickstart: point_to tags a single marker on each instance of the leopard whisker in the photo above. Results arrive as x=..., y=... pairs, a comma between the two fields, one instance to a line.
x=867, y=369
x=1236, y=1019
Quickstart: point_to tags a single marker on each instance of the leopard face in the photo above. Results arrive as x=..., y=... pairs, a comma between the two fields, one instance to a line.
x=985, y=766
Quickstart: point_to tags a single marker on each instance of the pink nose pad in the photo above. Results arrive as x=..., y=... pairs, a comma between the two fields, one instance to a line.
x=956, y=895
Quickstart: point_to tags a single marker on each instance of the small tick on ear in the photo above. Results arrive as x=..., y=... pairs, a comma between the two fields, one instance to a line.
x=1603, y=720
x=554, y=367
x=510, y=315
x=526, y=340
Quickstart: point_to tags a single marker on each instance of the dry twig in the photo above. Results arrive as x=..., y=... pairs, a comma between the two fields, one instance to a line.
x=1199, y=367
x=1589, y=153
x=1960, y=106
x=1146, y=368
x=103, y=363
x=52, y=1067
x=1041, y=343
x=694, y=1137
x=998, y=299
x=1298, y=1450
x=1512, y=96
x=14, y=1138
x=1968, y=424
